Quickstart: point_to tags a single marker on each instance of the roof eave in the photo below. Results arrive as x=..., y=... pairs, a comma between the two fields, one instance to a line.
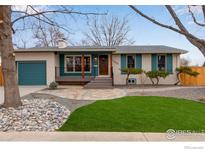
x=151, y=52
x=64, y=50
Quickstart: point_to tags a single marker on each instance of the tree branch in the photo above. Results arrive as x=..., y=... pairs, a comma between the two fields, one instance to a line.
x=182, y=30
x=194, y=18
x=203, y=10
x=49, y=22
x=176, y=19
x=194, y=40
x=43, y=13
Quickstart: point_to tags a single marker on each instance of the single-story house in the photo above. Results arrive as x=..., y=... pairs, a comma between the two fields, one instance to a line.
x=83, y=64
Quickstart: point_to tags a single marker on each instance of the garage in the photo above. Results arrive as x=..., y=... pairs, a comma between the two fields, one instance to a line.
x=31, y=72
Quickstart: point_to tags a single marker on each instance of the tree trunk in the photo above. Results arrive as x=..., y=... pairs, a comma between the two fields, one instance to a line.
x=11, y=90
x=178, y=79
x=152, y=81
x=127, y=78
x=202, y=48
x=157, y=81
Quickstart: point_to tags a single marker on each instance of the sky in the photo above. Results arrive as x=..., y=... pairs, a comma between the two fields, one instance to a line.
x=142, y=31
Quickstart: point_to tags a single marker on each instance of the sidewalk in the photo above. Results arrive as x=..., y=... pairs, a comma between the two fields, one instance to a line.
x=94, y=136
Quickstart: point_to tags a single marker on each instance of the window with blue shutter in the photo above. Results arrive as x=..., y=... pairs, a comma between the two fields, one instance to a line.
x=154, y=62
x=138, y=60
x=123, y=61
x=130, y=61
x=169, y=63
x=161, y=62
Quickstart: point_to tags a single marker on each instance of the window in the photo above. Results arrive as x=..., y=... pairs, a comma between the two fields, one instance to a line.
x=87, y=63
x=69, y=63
x=73, y=63
x=78, y=63
x=130, y=61
x=161, y=62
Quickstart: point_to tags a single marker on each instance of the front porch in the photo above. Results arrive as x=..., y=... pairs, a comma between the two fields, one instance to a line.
x=81, y=68
x=73, y=80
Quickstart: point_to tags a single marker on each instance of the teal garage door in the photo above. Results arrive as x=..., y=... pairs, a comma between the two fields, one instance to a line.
x=31, y=72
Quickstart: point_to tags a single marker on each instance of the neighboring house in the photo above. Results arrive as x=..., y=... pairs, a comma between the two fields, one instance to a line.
x=41, y=66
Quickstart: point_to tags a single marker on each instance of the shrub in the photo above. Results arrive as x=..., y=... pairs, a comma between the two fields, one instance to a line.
x=53, y=85
x=186, y=70
x=156, y=75
x=132, y=70
x=129, y=71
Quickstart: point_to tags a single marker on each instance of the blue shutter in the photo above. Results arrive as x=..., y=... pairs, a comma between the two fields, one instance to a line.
x=138, y=61
x=94, y=65
x=169, y=63
x=123, y=62
x=61, y=64
x=154, y=62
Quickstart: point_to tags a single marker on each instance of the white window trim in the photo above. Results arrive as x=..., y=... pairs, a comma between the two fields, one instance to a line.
x=127, y=59
x=165, y=61
x=65, y=66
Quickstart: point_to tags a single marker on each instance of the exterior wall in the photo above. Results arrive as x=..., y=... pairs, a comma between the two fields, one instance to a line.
x=54, y=60
x=120, y=79
x=57, y=64
x=48, y=57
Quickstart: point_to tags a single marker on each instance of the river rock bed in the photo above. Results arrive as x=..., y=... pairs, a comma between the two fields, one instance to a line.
x=34, y=115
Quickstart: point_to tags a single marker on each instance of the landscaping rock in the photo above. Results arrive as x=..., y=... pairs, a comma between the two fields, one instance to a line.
x=34, y=115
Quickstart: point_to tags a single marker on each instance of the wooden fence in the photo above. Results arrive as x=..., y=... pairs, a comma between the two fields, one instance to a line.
x=1, y=77
x=187, y=80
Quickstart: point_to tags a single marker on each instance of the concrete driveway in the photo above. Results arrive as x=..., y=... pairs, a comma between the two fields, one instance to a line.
x=24, y=90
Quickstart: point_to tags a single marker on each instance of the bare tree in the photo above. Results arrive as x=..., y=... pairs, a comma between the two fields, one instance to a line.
x=184, y=62
x=181, y=29
x=47, y=35
x=108, y=31
x=11, y=90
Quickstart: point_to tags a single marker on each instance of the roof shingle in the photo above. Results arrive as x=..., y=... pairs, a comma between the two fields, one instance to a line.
x=116, y=49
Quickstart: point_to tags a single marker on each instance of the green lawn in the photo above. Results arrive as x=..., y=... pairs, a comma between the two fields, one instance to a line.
x=138, y=113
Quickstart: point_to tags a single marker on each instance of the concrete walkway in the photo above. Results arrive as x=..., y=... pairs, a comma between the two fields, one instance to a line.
x=79, y=93
x=94, y=136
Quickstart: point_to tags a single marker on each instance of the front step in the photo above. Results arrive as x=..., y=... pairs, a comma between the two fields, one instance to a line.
x=100, y=83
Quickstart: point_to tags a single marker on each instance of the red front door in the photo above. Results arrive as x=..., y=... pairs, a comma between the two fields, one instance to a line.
x=103, y=65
